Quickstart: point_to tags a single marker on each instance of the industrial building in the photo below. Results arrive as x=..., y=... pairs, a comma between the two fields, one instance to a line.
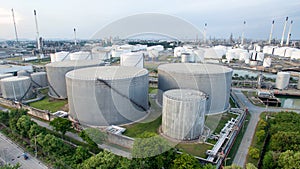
x=212, y=79
x=183, y=113
x=56, y=72
x=108, y=95
x=16, y=87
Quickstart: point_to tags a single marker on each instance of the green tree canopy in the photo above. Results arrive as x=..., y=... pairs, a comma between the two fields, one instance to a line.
x=61, y=125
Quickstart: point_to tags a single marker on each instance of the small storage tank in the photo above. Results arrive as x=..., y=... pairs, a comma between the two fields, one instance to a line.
x=2, y=76
x=253, y=63
x=282, y=80
x=108, y=95
x=187, y=58
x=101, y=53
x=80, y=56
x=23, y=73
x=267, y=62
x=56, y=75
x=16, y=87
x=183, y=113
x=212, y=79
x=135, y=59
x=39, y=79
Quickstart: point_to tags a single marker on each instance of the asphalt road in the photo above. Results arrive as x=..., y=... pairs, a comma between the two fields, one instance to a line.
x=255, y=111
x=10, y=153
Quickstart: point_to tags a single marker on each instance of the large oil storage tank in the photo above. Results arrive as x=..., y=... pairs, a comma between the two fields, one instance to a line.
x=282, y=80
x=135, y=59
x=81, y=55
x=108, y=95
x=212, y=79
x=2, y=76
x=187, y=58
x=60, y=56
x=39, y=79
x=183, y=113
x=56, y=72
x=16, y=87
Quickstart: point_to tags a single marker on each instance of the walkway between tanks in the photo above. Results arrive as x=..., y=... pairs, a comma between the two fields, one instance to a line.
x=255, y=111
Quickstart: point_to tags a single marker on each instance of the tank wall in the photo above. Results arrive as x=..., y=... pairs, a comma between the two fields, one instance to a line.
x=106, y=106
x=183, y=120
x=39, y=79
x=216, y=86
x=15, y=89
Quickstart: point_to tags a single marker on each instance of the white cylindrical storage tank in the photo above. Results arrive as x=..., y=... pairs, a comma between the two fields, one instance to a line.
x=23, y=73
x=16, y=87
x=80, y=56
x=280, y=51
x=39, y=79
x=183, y=113
x=178, y=51
x=295, y=55
x=244, y=56
x=253, y=63
x=260, y=56
x=62, y=56
x=187, y=58
x=135, y=59
x=267, y=62
x=230, y=55
x=247, y=61
x=56, y=75
x=212, y=79
x=52, y=57
x=100, y=53
x=199, y=55
x=282, y=80
x=108, y=95
x=2, y=76
x=152, y=53
x=289, y=51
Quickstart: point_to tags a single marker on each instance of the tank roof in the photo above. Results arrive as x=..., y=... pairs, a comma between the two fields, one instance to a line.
x=107, y=73
x=185, y=94
x=15, y=78
x=74, y=63
x=195, y=68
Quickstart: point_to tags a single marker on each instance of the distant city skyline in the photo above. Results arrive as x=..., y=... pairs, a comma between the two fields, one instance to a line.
x=57, y=19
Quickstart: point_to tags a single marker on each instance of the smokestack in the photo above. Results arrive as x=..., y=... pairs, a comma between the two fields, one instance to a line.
x=75, y=39
x=271, y=33
x=243, y=34
x=289, y=34
x=282, y=37
x=13, y=15
x=37, y=31
x=204, y=33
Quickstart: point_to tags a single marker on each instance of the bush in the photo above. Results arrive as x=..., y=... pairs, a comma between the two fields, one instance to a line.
x=254, y=152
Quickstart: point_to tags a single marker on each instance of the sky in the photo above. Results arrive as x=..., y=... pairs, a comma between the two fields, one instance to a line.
x=57, y=18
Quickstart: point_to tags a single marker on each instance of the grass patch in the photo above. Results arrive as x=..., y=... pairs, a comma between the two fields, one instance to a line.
x=49, y=104
x=152, y=90
x=196, y=149
x=238, y=140
x=134, y=130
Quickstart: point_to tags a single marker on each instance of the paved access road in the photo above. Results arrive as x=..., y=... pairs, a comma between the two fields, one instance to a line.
x=10, y=153
x=255, y=111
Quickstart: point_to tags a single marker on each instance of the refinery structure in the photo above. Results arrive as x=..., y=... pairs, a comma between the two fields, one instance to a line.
x=113, y=83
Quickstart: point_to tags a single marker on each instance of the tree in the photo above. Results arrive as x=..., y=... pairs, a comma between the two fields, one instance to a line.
x=254, y=152
x=96, y=135
x=81, y=154
x=270, y=160
x=185, y=161
x=250, y=166
x=233, y=166
x=149, y=145
x=262, y=124
x=61, y=125
x=104, y=159
x=289, y=160
x=35, y=130
x=282, y=141
x=4, y=118
x=9, y=166
x=260, y=135
x=23, y=125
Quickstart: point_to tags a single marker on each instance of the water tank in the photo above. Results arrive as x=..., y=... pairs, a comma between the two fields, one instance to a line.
x=212, y=79
x=267, y=62
x=56, y=72
x=135, y=59
x=183, y=113
x=282, y=80
x=80, y=56
x=187, y=58
x=39, y=79
x=16, y=87
x=108, y=95
x=60, y=56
